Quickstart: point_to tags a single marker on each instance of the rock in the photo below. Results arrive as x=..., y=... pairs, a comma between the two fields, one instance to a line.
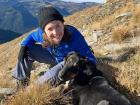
x=137, y=1
x=6, y=91
x=126, y=14
x=95, y=35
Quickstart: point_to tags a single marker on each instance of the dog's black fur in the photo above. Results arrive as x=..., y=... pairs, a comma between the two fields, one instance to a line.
x=83, y=68
x=98, y=92
x=93, y=88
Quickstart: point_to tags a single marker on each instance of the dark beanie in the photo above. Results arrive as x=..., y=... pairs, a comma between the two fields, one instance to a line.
x=47, y=14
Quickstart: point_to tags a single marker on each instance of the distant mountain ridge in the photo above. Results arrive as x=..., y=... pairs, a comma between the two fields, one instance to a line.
x=15, y=17
x=118, y=61
x=6, y=35
x=21, y=15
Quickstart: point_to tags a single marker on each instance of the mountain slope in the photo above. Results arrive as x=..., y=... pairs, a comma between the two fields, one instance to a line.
x=118, y=47
x=16, y=18
x=21, y=15
x=118, y=59
x=6, y=35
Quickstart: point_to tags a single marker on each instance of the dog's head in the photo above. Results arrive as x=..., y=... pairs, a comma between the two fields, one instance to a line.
x=71, y=66
x=76, y=65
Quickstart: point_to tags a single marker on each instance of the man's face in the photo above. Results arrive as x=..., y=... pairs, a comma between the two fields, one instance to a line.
x=54, y=32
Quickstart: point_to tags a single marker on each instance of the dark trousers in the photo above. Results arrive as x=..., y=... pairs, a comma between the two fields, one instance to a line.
x=23, y=68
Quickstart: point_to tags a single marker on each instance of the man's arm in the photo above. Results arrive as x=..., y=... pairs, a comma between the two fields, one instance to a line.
x=28, y=41
x=21, y=53
x=82, y=47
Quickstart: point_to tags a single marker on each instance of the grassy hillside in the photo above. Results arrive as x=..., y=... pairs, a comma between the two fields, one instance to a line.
x=21, y=15
x=117, y=50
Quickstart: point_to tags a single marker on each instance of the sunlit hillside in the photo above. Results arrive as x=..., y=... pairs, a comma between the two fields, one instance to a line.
x=118, y=47
x=117, y=50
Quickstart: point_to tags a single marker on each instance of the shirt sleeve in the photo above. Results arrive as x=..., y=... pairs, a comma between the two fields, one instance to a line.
x=28, y=41
x=82, y=47
x=32, y=38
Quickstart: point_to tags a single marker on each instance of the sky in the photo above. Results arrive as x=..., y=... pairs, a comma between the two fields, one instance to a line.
x=99, y=1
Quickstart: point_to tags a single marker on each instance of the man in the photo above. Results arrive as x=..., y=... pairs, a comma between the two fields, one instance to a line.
x=49, y=44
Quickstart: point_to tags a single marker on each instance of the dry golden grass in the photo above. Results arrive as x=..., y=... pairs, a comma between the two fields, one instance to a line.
x=107, y=21
x=8, y=54
x=128, y=77
x=126, y=8
x=136, y=16
x=81, y=20
x=37, y=95
x=120, y=33
x=113, y=1
x=125, y=76
x=127, y=73
x=6, y=80
x=130, y=71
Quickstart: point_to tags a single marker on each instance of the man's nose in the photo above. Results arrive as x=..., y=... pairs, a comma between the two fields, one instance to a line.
x=55, y=31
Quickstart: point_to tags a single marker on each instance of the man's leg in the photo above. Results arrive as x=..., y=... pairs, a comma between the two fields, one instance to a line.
x=51, y=75
x=23, y=68
x=40, y=54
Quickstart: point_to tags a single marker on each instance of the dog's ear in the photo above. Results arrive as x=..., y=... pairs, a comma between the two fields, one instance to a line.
x=69, y=54
x=83, y=60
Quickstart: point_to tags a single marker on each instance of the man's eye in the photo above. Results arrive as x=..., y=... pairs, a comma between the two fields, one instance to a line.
x=50, y=29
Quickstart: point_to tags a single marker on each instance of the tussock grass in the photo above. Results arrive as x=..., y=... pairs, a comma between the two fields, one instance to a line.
x=37, y=95
x=128, y=76
x=136, y=16
x=5, y=80
x=127, y=73
x=125, y=76
x=120, y=33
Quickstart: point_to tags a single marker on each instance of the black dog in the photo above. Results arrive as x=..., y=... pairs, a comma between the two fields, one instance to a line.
x=91, y=87
x=98, y=92
x=78, y=68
